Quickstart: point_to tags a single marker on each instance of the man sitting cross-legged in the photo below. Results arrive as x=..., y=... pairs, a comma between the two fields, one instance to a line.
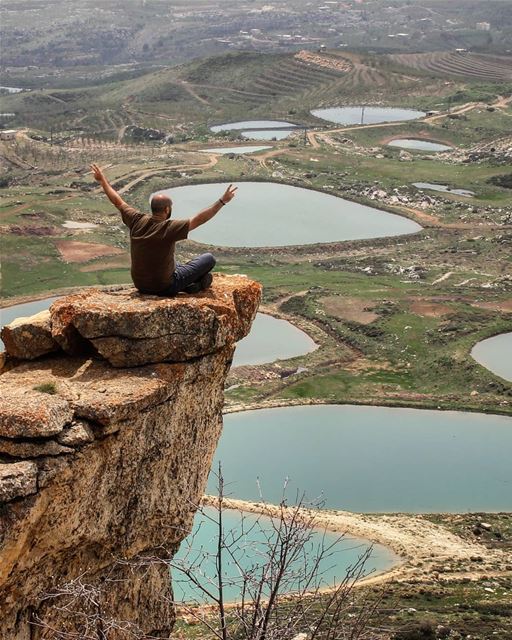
x=153, y=238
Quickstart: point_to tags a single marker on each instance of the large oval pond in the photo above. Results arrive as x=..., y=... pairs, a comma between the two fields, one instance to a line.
x=495, y=354
x=366, y=115
x=252, y=549
x=272, y=339
x=371, y=459
x=419, y=145
x=266, y=214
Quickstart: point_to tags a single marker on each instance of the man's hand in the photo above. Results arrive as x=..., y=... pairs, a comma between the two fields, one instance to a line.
x=208, y=213
x=97, y=173
x=229, y=194
x=111, y=193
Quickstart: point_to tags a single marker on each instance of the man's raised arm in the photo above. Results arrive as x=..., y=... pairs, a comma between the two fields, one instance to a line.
x=110, y=192
x=208, y=213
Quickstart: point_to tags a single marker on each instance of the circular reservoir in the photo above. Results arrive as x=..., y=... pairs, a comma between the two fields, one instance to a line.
x=431, y=186
x=237, y=150
x=251, y=549
x=370, y=459
x=370, y=115
x=413, y=144
x=495, y=354
x=267, y=214
x=272, y=339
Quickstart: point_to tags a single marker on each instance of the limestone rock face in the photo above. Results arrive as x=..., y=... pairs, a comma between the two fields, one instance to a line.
x=99, y=478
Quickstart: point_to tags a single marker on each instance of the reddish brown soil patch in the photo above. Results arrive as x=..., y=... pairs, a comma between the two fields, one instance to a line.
x=505, y=306
x=430, y=308
x=352, y=309
x=74, y=251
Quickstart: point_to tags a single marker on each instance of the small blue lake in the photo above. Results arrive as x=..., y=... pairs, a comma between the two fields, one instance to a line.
x=495, y=354
x=419, y=145
x=271, y=339
x=251, y=549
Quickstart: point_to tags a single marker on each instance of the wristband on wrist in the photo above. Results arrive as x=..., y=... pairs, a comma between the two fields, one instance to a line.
x=222, y=202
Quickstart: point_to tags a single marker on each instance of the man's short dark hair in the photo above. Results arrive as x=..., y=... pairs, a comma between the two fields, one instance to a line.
x=160, y=202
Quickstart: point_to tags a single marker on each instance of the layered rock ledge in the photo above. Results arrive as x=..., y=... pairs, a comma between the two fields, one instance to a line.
x=106, y=442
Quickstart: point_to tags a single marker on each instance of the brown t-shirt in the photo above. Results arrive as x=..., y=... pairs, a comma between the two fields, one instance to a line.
x=152, y=245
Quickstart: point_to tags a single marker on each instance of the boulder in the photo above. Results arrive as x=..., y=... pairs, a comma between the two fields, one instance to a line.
x=29, y=338
x=17, y=480
x=130, y=329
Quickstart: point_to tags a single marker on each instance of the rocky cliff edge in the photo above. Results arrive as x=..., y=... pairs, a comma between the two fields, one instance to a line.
x=110, y=412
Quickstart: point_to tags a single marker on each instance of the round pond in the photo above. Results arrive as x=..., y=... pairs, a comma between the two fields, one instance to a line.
x=266, y=214
x=251, y=548
x=370, y=459
x=271, y=339
x=495, y=354
x=431, y=186
x=366, y=115
x=419, y=145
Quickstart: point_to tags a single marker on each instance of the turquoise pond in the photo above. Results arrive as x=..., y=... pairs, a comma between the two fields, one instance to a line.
x=371, y=459
x=370, y=115
x=495, y=354
x=270, y=338
x=251, y=549
x=419, y=145
x=271, y=214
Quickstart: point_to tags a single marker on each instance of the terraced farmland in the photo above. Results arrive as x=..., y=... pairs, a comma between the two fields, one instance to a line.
x=315, y=80
x=468, y=65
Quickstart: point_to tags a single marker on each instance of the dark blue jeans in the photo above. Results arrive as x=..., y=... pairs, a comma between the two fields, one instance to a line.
x=188, y=273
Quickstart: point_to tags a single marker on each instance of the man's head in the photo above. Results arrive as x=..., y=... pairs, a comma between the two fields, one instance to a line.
x=161, y=206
